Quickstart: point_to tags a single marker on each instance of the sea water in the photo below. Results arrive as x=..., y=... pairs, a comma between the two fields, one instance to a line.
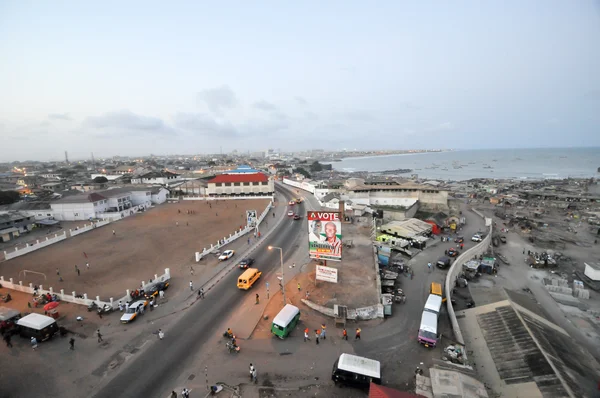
x=543, y=163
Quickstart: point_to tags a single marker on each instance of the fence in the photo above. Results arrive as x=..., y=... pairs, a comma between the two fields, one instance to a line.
x=70, y=298
x=85, y=228
x=237, y=234
x=456, y=269
x=35, y=246
x=215, y=198
x=302, y=185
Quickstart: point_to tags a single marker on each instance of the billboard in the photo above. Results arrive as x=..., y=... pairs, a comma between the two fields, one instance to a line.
x=327, y=274
x=251, y=218
x=324, y=235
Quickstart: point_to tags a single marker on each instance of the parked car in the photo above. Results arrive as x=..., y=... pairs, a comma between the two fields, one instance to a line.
x=155, y=289
x=226, y=255
x=290, y=213
x=476, y=238
x=296, y=216
x=132, y=312
x=246, y=262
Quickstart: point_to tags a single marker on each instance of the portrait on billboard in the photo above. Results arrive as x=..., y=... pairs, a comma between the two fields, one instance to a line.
x=324, y=235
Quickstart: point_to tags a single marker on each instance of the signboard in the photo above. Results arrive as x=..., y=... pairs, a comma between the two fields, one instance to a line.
x=324, y=235
x=251, y=218
x=327, y=274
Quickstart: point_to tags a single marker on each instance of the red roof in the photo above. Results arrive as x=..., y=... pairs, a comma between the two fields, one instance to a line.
x=253, y=177
x=376, y=391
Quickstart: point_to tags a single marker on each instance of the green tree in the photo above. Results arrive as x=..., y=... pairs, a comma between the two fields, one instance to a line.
x=316, y=166
x=100, y=179
x=302, y=171
x=211, y=163
x=8, y=197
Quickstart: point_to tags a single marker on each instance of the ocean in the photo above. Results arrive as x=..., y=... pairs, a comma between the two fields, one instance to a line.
x=535, y=164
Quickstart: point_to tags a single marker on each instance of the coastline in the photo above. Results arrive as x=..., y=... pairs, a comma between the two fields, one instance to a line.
x=462, y=165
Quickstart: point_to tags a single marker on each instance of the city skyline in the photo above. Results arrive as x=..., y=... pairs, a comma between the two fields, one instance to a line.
x=140, y=78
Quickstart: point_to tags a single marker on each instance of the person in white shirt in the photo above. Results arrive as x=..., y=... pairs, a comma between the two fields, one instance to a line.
x=161, y=334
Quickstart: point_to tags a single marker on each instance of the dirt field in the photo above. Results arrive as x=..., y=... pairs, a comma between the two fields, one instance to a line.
x=144, y=244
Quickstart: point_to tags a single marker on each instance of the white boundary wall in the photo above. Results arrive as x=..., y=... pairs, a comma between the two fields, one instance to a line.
x=236, y=235
x=35, y=246
x=85, y=228
x=456, y=269
x=216, y=198
x=302, y=185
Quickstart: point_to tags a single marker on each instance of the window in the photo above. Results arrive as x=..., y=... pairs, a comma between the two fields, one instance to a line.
x=236, y=184
x=246, y=184
x=218, y=184
x=227, y=184
x=264, y=183
x=255, y=183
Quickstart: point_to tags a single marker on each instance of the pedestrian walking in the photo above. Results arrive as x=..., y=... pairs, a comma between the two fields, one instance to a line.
x=306, y=295
x=7, y=340
x=191, y=286
x=161, y=335
x=78, y=271
x=120, y=306
x=429, y=265
x=257, y=298
x=99, y=336
x=173, y=394
x=202, y=293
x=34, y=343
x=185, y=393
x=462, y=246
x=72, y=344
x=323, y=331
x=191, y=271
x=57, y=272
x=85, y=254
x=114, y=233
x=176, y=223
x=254, y=378
x=298, y=286
x=126, y=306
x=152, y=304
x=344, y=334
x=357, y=336
x=87, y=265
x=251, y=370
x=306, y=335
x=317, y=332
x=161, y=294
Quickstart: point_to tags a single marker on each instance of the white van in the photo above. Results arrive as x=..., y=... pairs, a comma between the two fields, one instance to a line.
x=356, y=371
x=41, y=327
x=428, y=329
x=433, y=304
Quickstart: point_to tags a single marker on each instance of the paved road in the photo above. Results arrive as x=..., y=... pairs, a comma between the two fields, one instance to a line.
x=152, y=371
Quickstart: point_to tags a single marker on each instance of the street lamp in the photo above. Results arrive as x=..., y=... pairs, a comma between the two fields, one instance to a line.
x=282, y=279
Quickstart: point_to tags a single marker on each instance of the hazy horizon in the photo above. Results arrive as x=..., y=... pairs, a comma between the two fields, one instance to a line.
x=135, y=78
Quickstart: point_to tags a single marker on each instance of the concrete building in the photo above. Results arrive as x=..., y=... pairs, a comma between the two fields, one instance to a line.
x=193, y=187
x=394, y=193
x=13, y=225
x=148, y=195
x=156, y=177
x=241, y=182
x=79, y=207
x=54, y=186
x=88, y=186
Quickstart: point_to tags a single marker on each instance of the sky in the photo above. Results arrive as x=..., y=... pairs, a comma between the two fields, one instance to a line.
x=187, y=77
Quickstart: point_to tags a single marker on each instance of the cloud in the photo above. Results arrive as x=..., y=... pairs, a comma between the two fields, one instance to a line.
x=358, y=116
x=218, y=99
x=205, y=125
x=126, y=122
x=593, y=95
x=301, y=101
x=445, y=126
x=60, y=116
x=264, y=106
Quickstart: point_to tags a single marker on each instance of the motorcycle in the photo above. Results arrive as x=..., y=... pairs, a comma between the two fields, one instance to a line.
x=233, y=348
